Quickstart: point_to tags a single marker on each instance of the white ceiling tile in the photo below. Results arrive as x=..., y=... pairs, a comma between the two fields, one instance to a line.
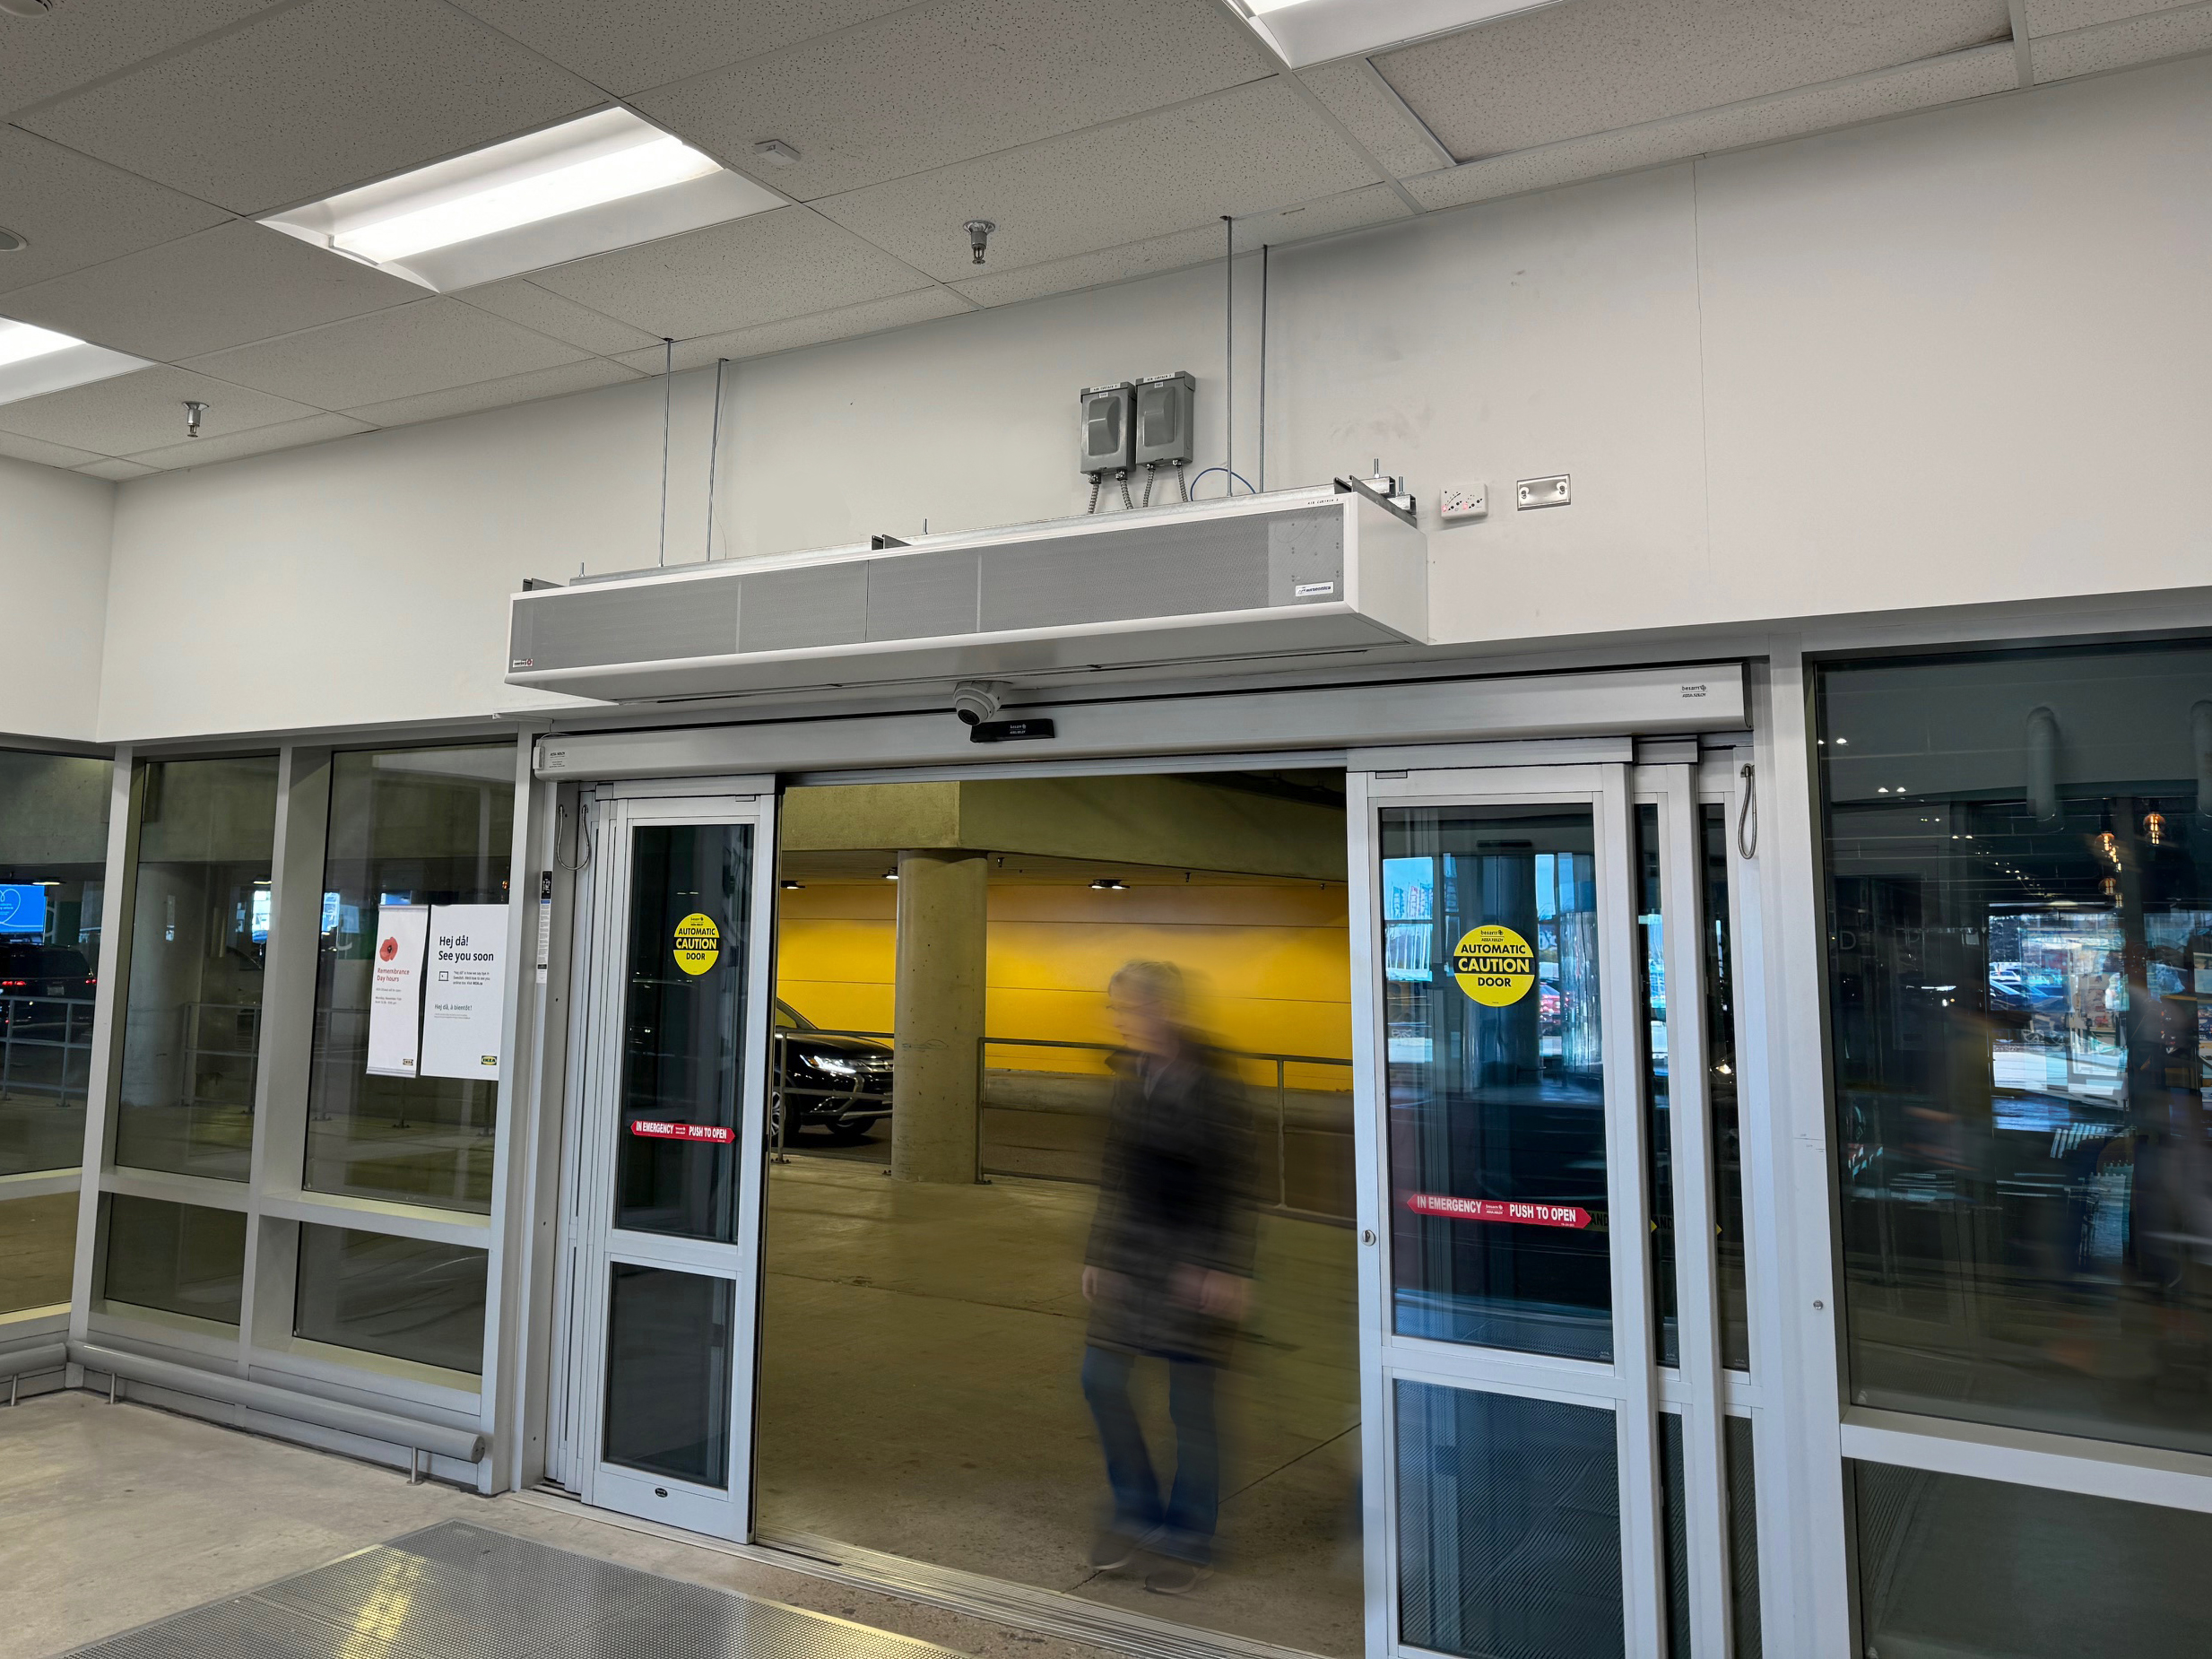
x=116, y=470
x=1597, y=65
x=236, y=282
x=314, y=98
x=558, y=381
x=2118, y=46
x=285, y=435
x=44, y=453
x=75, y=211
x=1765, y=121
x=644, y=43
x=1370, y=204
x=924, y=305
x=942, y=83
x=1373, y=114
x=521, y=300
x=2054, y=17
x=41, y=56
x=761, y=269
x=145, y=411
x=428, y=346
x=1250, y=150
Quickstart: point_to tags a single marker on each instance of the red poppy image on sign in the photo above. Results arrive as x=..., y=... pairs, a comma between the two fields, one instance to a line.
x=1498, y=1210
x=656, y=1131
x=387, y=950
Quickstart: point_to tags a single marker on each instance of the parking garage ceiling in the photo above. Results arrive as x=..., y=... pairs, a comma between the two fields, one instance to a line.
x=1104, y=138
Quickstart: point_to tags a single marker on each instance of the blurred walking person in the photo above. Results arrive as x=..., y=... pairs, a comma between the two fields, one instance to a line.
x=1167, y=1273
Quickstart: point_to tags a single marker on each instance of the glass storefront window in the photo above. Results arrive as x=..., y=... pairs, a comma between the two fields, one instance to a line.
x=1951, y=1565
x=199, y=940
x=1495, y=1078
x=409, y=1299
x=419, y=847
x=178, y=1258
x=52, y=865
x=38, y=1250
x=2019, y=891
x=1652, y=987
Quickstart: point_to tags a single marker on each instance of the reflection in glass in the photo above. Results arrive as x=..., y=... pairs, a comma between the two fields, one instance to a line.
x=38, y=1250
x=1496, y=1095
x=1727, y=1133
x=1743, y=1535
x=683, y=1030
x=409, y=1299
x=199, y=939
x=1955, y=1566
x=2020, y=912
x=53, y=863
x=1508, y=1526
x=178, y=1258
x=1652, y=987
x=410, y=828
x=668, y=1373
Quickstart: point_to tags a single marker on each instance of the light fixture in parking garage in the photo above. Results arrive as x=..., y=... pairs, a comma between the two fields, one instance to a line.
x=1107, y=884
x=589, y=185
x=34, y=359
x=1315, y=31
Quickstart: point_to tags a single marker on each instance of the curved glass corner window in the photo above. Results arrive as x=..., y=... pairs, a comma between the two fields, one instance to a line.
x=683, y=1030
x=408, y=1299
x=1496, y=1079
x=411, y=980
x=53, y=872
x=176, y=1258
x=2019, y=895
x=193, y=989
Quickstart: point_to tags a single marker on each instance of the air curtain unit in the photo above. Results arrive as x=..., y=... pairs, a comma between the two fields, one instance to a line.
x=1293, y=572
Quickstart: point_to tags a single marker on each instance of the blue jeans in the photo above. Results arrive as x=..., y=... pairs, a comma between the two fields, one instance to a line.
x=1184, y=1526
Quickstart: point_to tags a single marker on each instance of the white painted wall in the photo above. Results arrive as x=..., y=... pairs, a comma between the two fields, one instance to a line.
x=55, y=529
x=1957, y=356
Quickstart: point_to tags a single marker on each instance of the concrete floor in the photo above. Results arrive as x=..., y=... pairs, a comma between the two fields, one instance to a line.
x=119, y=1515
x=919, y=1396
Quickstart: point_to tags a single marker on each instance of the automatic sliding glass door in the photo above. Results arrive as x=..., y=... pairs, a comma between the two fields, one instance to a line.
x=1542, y=1381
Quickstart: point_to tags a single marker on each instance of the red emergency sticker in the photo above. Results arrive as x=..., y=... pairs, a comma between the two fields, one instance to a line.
x=1498, y=1210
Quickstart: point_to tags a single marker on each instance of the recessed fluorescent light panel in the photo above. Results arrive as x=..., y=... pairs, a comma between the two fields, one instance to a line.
x=600, y=182
x=1315, y=31
x=34, y=360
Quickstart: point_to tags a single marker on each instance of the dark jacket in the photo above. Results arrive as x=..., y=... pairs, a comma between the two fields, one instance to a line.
x=1175, y=1191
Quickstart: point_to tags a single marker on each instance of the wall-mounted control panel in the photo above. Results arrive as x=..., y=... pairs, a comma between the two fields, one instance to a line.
x=1108, y=433
x=1164, y=407
x=1456, y=503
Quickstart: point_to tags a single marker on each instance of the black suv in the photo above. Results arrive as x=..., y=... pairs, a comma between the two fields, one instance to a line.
x=829, y=1082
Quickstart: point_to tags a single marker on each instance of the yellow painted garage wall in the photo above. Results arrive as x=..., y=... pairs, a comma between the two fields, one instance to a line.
x=1271, y=963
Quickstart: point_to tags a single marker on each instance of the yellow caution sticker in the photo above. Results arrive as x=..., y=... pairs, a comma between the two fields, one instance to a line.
x=698, y=944
x=1493, y=965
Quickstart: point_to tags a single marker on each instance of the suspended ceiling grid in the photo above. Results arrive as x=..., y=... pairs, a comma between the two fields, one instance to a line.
x=1106, y=137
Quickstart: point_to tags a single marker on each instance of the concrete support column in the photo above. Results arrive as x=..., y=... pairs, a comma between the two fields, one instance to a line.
x=937, y=1087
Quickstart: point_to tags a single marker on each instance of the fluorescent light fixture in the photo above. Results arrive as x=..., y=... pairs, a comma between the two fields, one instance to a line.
x=1314, y=31
x=588, y=185
x=35, y=361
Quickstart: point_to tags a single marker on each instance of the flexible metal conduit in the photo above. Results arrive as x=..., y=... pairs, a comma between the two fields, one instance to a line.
x=467, y=1445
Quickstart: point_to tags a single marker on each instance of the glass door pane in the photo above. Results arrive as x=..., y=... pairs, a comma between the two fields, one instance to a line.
x=668, y=1373
x=1495, y=1078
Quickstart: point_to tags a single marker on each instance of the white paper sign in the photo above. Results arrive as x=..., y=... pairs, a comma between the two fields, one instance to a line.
x=465, y=990
x=396, y=990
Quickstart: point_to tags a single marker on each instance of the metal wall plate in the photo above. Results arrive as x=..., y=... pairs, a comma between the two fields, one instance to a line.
x=1551, y=492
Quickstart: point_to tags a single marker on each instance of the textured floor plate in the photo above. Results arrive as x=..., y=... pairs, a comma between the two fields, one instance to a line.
x=461, y=1592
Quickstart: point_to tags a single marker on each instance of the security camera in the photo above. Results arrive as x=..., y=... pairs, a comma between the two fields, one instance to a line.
x=977, y=700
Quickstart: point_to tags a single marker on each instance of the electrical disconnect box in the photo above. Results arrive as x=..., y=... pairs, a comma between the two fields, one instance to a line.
x=1164, y=403
x=1108, y=430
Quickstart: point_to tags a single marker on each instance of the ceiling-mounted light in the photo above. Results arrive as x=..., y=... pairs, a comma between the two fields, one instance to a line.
x=890, y=875
x=1314, y=31
x=588, y=185
x=34, y=359
x=790, y=886
x=1110, y=884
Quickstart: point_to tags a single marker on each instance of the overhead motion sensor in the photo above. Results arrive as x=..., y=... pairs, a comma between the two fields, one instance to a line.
x=977, y=700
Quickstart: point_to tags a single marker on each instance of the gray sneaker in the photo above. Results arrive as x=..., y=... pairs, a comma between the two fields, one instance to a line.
x=1175, y=1577
x=1111, y=1548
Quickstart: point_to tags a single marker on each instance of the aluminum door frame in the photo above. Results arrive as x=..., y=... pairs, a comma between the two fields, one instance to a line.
x=592, y=1243
x=1631, y=1385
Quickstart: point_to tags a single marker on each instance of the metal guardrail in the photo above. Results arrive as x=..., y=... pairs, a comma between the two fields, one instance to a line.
x=16, y=1013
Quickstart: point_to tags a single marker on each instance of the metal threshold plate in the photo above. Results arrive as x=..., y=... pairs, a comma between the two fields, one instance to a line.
x=461, y=1592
